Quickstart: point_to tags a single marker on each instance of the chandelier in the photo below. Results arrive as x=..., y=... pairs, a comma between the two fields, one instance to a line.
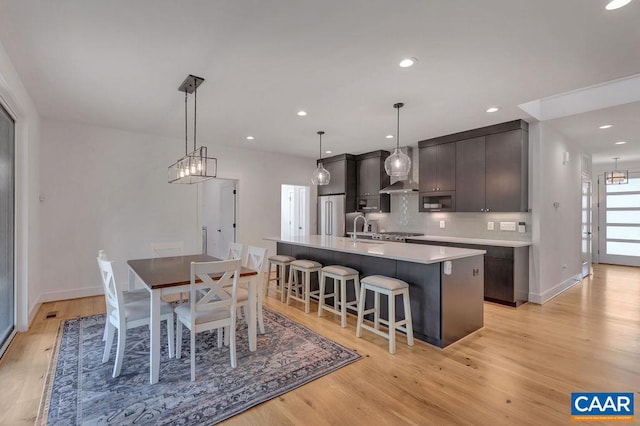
x=195, y=166
x=321, y=176
x=398, y=163
x=616, y=177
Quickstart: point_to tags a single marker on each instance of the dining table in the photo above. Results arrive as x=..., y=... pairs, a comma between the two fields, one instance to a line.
x=172, y=275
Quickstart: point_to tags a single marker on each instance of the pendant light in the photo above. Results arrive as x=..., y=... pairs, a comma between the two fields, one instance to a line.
x=321, y=176
x=195, y=166
x=398, y=163
x=616, y=177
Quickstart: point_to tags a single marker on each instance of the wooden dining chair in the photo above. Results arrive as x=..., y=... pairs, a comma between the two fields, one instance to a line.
x=214, y=310
x=122, y=315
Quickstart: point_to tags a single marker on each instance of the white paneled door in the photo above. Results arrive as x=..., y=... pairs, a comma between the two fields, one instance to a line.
x=219, y=221
x=7, y=208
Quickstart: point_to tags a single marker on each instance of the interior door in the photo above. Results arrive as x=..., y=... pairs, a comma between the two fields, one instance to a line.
x=227, y=214
x=7, y=277
x=586, y=227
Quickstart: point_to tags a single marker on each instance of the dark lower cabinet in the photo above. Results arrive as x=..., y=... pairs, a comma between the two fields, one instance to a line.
x=506, y=271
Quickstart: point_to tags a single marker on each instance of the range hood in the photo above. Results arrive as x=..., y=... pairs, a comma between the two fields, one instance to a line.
x=402, y=184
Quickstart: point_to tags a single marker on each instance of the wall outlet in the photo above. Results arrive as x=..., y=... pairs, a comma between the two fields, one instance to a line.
x=490, y=226
x=442, y=224
x=507, y=226
x=522, y=228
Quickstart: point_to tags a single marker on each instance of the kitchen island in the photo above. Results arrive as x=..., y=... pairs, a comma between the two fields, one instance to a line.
x=446, y=284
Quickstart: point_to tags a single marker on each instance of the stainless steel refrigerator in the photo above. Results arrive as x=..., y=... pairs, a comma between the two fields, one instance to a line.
x=331, y=215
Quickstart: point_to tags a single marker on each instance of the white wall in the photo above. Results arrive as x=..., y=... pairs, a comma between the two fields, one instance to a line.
x=17, y=101
x=107, y=189
x=556, y=252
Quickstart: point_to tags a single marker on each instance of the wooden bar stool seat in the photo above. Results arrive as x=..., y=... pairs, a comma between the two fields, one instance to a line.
x=281, y=262
x=341, y=275
x=391, y=287
x=302, y=288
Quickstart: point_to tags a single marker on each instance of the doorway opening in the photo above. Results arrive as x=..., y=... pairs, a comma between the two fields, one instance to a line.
x=219, y=216
x=294, y=211
x=586, y=228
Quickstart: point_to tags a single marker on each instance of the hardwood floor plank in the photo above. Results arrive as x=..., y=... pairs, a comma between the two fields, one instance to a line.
x=519, y=369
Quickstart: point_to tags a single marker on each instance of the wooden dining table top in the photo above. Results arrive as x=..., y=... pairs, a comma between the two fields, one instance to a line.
x=161, y=272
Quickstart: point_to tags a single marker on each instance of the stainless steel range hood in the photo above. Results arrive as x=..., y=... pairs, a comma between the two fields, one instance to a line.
x=402, y=184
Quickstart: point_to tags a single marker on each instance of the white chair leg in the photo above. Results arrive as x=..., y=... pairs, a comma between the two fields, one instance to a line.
x=290, y=284
x=110, y=329
x=361, y=306
x=193, y=355
x=282, y=280
x=321, y=295
x=392, y=323
x=170, y=336
x=259, y=289
x=122, y=341
x=178, y=339
x=232, y=342
x=219, y=332
x=307, y=290
x=376, y=314
x=407, y=316
x=343, y=302
x=226, y=336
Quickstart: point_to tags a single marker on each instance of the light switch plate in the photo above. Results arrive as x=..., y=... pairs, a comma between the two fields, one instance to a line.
x=490, y=226
x=507, y=226
x=442, y=224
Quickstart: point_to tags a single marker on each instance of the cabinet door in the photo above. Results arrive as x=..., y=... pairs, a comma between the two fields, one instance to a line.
x=338, y=175
x=498, y=279
x=428, y=167
x=506, y=171
x=446, y=167
x=369, y=176
x=470, y=175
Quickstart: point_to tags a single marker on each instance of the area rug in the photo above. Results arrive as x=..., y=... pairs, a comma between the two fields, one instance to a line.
x=80, y=390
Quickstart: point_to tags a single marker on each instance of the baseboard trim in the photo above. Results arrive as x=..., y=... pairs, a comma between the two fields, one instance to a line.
x=70, y=294
x=543, y=298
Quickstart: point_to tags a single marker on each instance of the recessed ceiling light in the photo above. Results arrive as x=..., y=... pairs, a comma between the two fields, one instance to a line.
x=493, y=109
x=250, y=138
x=389, y=136
x=617, y=4
x=302, y=113
x=407, y=62
x=328, y=152
x=620, y=143
x=606, y=126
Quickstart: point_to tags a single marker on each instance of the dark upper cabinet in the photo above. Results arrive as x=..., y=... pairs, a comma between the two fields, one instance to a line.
x=506, y=176
x=371, y=179
x=437, y=168
x=470, y=175
x=343, y=178
x=490, y=167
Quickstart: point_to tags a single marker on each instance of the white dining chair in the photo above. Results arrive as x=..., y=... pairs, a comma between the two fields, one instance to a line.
x=167, y=249
x=123, y=315
x=255, y=261
x=214, y=310
x=127, y=295
x=235, y=251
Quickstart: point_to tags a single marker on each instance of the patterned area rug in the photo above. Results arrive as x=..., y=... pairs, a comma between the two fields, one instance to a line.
x=80, y=389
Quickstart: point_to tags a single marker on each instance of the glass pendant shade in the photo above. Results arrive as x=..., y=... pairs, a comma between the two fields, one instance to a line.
x=321, y=176
x=397, y=164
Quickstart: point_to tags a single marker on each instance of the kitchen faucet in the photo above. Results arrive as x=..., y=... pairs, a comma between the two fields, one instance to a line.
x=354, y=236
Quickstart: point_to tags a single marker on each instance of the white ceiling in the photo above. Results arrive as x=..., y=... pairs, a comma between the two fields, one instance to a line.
x=119, y=63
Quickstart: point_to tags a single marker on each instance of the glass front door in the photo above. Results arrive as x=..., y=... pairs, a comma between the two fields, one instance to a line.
x=7, y=277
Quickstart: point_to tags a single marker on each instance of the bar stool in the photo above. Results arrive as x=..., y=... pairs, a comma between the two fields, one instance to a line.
x=341, y=275
x=306, y=268
x=391, y=287
x=280, y=262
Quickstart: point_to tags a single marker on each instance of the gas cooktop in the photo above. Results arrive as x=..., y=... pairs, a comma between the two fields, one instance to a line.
x=394, y=236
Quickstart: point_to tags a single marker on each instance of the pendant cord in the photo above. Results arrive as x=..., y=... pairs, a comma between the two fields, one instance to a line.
x=195, y=111
x=321, y=148
x=398, y=131
x=186, y=148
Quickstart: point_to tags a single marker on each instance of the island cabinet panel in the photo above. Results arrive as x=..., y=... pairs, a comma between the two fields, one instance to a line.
x=444, y=307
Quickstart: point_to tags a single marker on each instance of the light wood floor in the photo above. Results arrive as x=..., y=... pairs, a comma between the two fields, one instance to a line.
x=519, y=369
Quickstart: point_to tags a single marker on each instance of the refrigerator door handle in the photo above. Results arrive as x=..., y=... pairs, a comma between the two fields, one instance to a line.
x=326, y=217
x=330, y=217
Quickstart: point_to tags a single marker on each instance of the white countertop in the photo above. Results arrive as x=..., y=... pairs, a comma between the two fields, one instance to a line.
x=389, y=250
x=478, y=241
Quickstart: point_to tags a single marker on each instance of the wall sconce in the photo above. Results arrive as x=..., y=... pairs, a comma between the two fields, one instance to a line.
x=565, y=158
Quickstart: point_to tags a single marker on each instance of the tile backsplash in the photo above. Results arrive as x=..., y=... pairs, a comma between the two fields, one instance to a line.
x=404, y=217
